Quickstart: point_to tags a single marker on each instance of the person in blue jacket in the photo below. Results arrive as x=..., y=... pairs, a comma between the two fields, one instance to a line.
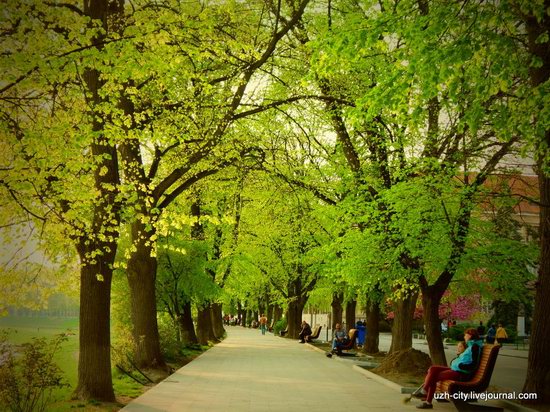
x=462, y=368
x=491, y=333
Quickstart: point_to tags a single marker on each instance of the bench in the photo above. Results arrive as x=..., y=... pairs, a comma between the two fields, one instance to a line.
x=315, y=334
x=350, y=343
x=477, y=384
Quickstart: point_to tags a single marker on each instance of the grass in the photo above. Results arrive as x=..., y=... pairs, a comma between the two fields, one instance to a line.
x=24, y=329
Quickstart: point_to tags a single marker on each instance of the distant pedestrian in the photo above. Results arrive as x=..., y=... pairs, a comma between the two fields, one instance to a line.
x=501, y=335
x=481, y=329
x=263, y=324
x=491, y=333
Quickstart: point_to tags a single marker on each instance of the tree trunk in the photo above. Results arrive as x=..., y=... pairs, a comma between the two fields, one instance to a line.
x=240, y=312
x=402, y=323
x=270, y=313
x=373, y=327
x=277, y=314
x=205, y=332
x=336, y=306
x=538, y=363
x=141, y=271
x=243, y=317
x=187, y=329
x=94, y=356
x=431, y=298
x=217, y=320
x=350, y=313
x=294, y=318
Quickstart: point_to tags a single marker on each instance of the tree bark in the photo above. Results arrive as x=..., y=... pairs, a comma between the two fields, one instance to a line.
x=350, y=313
x=187, y=329
x=336, y=306
x=243, y=317
x=431, y=299
x=217, y=320
x=294, y=318
x=205, y=332
x=270, y=313
x=402, y=323
x=373, y=327
x=141, y=271
x=277, y=314
x=94, y=358
x=538, y=363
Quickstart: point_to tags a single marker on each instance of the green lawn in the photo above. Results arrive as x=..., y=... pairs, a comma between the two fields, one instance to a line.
x=23, y=329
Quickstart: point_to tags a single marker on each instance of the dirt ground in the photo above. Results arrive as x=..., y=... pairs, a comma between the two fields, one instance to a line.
x=406, y=368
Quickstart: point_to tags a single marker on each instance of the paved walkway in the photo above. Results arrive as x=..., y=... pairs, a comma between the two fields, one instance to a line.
x=251, y=372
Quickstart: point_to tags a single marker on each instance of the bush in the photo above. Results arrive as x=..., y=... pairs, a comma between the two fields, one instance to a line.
x=28, y=375
x=168, y=335
x=279, y=326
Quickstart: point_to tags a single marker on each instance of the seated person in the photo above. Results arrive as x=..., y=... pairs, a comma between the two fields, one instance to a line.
x=306, y=331
x=460, y=347
x=462, y=368
x=340, y=339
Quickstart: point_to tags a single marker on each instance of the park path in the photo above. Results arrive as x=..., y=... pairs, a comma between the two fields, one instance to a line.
x=251, y=372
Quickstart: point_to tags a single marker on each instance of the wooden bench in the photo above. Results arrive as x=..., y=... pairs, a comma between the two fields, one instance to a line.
x=477, y=384
x=315, y=334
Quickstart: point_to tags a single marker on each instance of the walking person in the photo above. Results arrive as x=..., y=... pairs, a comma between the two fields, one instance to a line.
x=491, y=333
x=501, y=335
x=263, y=324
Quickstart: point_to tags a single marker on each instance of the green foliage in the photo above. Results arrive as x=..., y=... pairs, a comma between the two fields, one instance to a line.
x=29, y=379
x=279, y=326
x=456, y=332
x=170, y=344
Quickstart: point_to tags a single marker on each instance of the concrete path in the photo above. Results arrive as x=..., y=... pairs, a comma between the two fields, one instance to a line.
x=251, y=372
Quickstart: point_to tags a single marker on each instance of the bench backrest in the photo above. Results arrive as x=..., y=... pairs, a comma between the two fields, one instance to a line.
x=486, y=363
x=316, y=332
x=352, y=335
x=481, y=378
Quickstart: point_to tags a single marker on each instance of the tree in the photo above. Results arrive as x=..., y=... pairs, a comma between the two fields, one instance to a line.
x=279, y=255
x=418, y=119
x=219, y=61
x=54, y=99
x=537, y=21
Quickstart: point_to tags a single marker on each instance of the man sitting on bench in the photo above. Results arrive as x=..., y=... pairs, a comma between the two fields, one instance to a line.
x=305, y=332
x=462, y=368
x=340, y=339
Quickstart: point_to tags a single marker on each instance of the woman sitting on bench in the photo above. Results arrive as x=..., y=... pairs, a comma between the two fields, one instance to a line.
x=462, y=368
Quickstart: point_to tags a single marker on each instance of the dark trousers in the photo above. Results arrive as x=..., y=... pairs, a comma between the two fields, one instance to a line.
x=303, y=336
